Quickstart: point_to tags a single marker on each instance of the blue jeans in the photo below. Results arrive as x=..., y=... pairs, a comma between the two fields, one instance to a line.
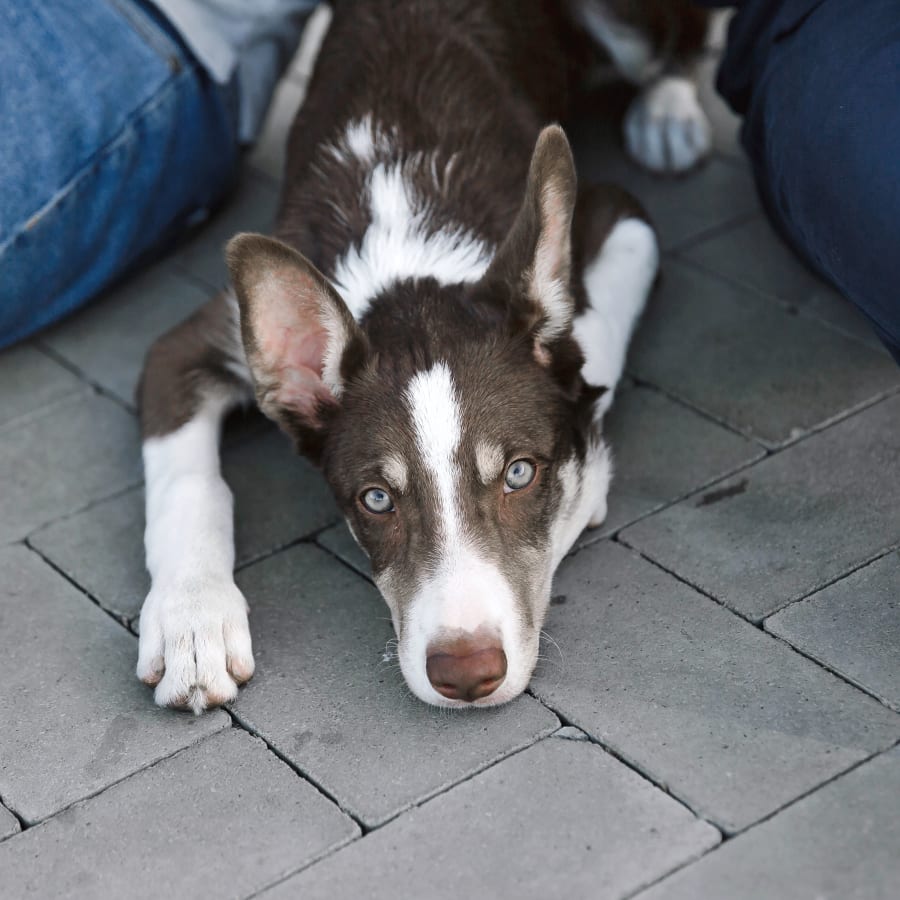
x=818, y=82
x=113, y=140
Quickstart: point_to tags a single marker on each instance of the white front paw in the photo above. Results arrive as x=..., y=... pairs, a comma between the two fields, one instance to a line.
x=666, y=129
x=195, y=643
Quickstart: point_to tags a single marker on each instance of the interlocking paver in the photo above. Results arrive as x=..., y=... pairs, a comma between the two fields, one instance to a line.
x=853, y=627
x=75, y=718
x=749, y=363
x=332, y=701
x=252, y=208
x=791, y=523
x=279, y=498
x=753, y=255
x=663, y=450
x=29, y=380
x=79, y=450
x=561, y=819
x=733, y=721
x=108, y=340
x=9, y=825
x=842, y=842
x=224, y=818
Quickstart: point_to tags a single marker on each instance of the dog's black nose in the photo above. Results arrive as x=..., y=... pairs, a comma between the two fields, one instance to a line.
x=466, y=668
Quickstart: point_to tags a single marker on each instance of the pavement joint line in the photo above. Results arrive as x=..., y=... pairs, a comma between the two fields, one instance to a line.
x=263, y=555
x=23, y=825
x=631, y=764
x=418, y=804
x=112, y=784
x=123, y=621
x=879, y=554
x=760, y=624
x=712, y=231
x=84, y=377
x=772, y=448
x=666, y=504
x=300, y=773
x=686, y=404
x=787, y=305
x=96, y=501
x=769, y=816
x=340, y=559
x=835, y=672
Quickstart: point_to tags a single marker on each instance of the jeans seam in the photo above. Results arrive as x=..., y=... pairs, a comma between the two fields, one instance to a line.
x=99, y=158
x=149, y=32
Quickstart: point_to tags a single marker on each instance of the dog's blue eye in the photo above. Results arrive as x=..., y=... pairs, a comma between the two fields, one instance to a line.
x=519, y=474
x=377, y=501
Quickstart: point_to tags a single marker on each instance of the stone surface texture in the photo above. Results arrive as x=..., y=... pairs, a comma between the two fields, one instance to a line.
x=716, y=710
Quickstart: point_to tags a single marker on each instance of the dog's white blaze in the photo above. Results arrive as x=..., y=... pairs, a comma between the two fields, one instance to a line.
x=434, y=410
x=399, y=244
x=194, y=618
x=617, y=282
x=466, y=592
x=631, y=52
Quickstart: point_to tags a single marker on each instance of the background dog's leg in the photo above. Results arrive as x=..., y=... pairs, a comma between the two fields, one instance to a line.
x=616, y=260
x=194, y=636
x=655, y=44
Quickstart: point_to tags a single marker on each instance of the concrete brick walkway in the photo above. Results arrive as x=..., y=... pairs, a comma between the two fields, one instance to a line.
x=717, y=714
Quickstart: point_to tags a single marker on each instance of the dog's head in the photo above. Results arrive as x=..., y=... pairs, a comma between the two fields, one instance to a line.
x=454, y=427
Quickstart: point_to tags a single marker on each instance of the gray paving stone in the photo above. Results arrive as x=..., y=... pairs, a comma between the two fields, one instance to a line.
x=561, y=819
x=339, y=541
x=330, y=698
x=75, y=717
x=279, y=499
x=747, y=362
x=252, y=208
x=734, y=722
x=9, y=825
x=78, y=451
x=225, y=818
x=662, y=451
x=107, y=340
x=29, y=380
x=682, y=209
x=840, y=843
x=790, y=524
x=853, y=627
x=753, y=255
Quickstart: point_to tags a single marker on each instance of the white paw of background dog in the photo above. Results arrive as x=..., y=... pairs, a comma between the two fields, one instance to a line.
x=666, y=129
x=195, y=643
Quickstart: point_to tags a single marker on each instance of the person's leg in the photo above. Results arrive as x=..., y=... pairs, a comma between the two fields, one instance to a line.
x=113, y=141
x=822, y=129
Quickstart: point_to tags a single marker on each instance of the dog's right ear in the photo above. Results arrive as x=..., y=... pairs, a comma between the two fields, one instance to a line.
x=299, y=337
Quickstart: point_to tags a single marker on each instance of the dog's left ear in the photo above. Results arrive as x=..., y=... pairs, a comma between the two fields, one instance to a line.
x=535, y=259
x=299, y=337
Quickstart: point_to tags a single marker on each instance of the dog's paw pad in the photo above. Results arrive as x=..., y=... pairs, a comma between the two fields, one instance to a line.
x=666, y=129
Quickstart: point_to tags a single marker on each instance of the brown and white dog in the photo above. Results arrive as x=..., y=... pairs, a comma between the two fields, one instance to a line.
x=440, y=323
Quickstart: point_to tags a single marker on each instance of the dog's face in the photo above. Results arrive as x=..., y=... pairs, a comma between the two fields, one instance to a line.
x=454, y=428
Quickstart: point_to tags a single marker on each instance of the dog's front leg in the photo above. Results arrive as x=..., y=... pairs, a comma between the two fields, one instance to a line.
x=194, y=635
